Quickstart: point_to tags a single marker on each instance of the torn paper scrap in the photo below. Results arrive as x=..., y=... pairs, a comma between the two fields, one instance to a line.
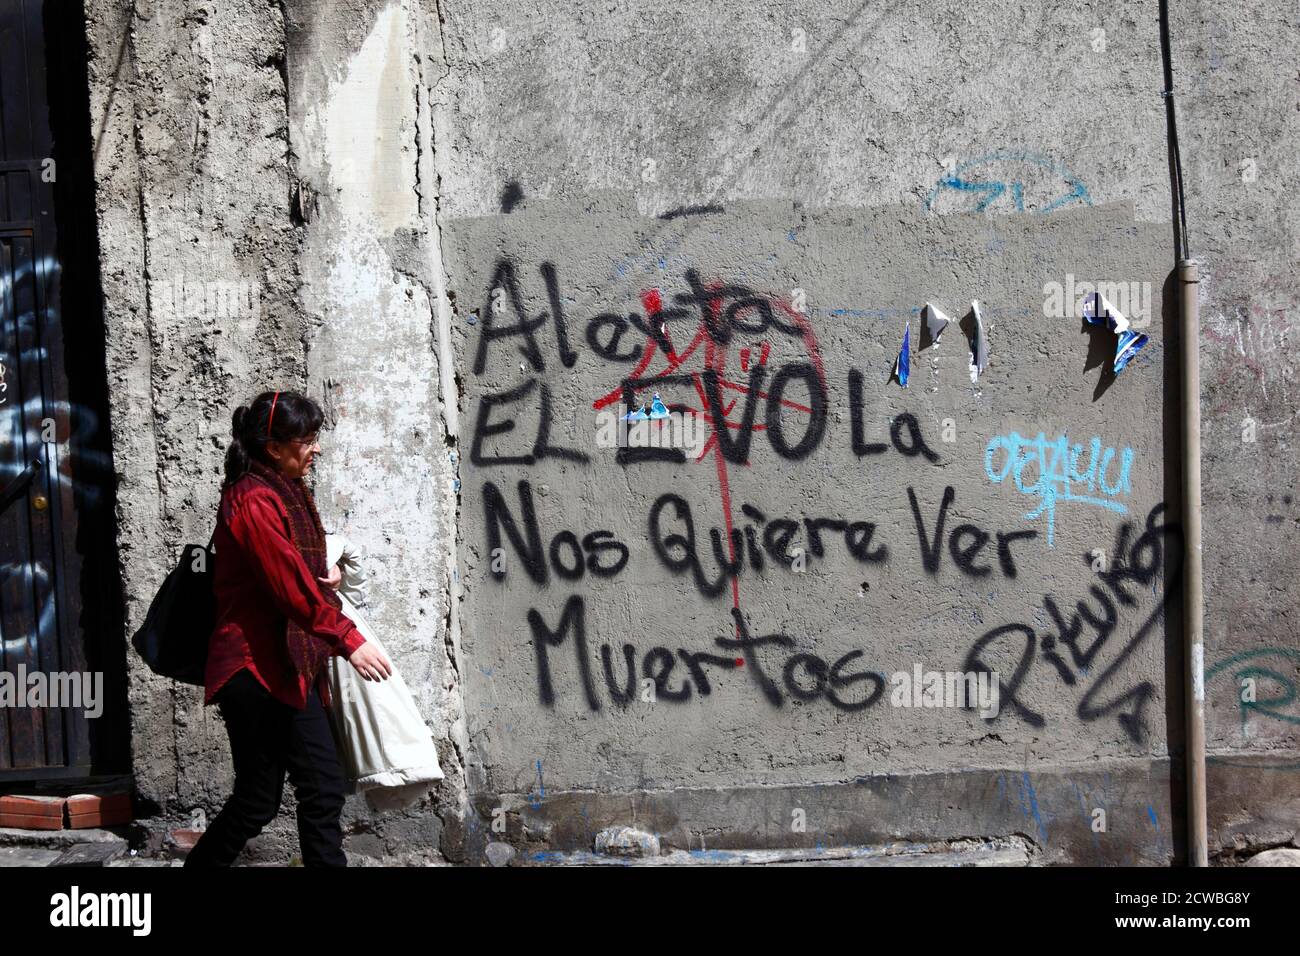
x=1098, y=310
x=1130, y=343
x=979, y=346
x=935, y=322
x=903, y=364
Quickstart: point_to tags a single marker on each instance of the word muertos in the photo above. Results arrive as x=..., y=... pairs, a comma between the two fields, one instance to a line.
x=804, y=677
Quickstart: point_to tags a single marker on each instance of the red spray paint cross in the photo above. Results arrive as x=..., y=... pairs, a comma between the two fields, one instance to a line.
x=715, y=357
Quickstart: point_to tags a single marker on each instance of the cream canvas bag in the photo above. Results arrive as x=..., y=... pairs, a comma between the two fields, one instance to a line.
x=385, y=748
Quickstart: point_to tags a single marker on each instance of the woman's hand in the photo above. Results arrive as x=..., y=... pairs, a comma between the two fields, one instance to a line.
x=370, y=662
x=333, y=578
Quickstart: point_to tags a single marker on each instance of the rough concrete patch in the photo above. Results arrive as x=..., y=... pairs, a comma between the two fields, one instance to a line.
x=12, y=836
x=1279, y=857
x=27, y=856
x=553, y=712
x=499, y=854
x=626, y=841
x=973, y=853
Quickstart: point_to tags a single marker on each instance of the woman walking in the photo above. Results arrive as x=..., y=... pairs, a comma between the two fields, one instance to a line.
x=278, y=622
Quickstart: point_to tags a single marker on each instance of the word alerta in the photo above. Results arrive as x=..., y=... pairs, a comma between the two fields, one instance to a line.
x=723, y=310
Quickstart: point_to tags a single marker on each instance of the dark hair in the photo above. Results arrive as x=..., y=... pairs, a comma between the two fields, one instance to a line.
x=296, y=416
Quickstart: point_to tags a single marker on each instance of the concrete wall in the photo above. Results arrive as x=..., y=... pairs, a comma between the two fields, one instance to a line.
x=406, y=184
x=199, y=266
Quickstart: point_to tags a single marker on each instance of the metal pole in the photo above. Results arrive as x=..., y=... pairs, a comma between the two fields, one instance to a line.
x=1193, y=593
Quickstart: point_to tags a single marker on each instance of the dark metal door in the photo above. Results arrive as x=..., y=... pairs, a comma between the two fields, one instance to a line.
x=40, y=567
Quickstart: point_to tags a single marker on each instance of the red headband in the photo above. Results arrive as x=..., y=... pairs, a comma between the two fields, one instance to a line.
x=271, y=417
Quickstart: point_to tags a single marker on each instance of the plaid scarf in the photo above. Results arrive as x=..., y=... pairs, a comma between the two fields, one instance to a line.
x=307, y=654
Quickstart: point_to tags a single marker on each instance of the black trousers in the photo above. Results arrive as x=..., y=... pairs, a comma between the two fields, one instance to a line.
x=267, y=739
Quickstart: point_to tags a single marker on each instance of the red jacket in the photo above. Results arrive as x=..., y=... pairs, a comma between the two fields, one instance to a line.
x=260, y=581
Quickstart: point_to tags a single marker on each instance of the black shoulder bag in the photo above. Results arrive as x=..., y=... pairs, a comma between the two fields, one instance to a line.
x=174, y=637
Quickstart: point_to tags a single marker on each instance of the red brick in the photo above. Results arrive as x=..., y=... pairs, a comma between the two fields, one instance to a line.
x=24, y=821
x=32, y=812
x=98, y=810
x=185, y=839
x=98, y=818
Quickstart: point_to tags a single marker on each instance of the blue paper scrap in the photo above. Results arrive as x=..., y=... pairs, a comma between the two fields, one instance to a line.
x=903, y=364
x=1098, y=310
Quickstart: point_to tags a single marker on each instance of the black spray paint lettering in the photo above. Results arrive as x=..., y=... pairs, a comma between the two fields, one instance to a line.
x=626, y=454
x=486, y=427
x=676, y=543
x=805, y=677
x=504, y=284
x=605, y=555
x=825, y=681
x=723, y=310
x=965, y=541
x=735, y=438
x=749, y=313
x=1064, y=647
x=915, y=444
x=657, y=664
